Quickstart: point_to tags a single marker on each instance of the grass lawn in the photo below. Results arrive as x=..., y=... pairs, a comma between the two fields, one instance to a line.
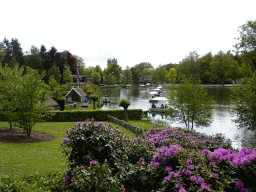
x=18, y=159
x=145, y=125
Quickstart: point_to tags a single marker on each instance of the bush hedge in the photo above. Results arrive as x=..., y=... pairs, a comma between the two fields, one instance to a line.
x=161, y=159
x=132, y=128
x=98, y=115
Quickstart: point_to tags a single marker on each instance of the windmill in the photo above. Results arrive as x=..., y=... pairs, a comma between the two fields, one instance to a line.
x=77, y=76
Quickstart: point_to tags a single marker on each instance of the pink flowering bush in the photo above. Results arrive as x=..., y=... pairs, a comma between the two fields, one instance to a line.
x=161, y=159
x=95, y=177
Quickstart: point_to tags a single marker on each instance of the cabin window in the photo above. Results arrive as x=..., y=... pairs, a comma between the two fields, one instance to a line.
x=69, y=99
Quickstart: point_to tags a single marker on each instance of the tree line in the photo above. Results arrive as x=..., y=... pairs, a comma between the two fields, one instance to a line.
x=209, y=68
x=54, y=63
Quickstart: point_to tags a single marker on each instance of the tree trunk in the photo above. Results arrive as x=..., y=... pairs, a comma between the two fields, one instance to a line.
x=94, y=107
x=125, y=114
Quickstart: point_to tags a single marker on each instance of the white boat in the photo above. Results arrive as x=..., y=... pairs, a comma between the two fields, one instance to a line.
x=155, y=94
x=156, y=99
x=158, y=90
x=158, y=110
x=142, y=86
x=147, y=85
x=128, y=86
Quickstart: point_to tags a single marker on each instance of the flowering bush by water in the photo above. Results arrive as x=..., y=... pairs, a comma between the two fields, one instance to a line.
x=102, y=158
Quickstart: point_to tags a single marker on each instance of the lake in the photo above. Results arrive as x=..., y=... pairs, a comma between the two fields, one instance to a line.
x=222, y=119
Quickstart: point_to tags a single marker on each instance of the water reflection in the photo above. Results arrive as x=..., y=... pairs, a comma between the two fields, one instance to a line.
x=222, y=119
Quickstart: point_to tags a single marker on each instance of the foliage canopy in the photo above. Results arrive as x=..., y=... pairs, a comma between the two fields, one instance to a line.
x=191, y=104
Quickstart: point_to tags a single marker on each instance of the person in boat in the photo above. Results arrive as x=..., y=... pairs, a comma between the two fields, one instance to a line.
x=153, y=105
x=162, y=106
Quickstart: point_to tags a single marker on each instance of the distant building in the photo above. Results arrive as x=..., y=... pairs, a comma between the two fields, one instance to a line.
x=75, y=94
x=112, y=60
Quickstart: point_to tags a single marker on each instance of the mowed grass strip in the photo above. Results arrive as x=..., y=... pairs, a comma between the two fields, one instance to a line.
x=145, y=125
x=17, y=159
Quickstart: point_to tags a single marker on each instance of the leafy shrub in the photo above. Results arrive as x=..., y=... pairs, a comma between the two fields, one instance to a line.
x=34, y=182
x=161, y=159
x=95, y=177
x=100, y=115
x=90, y=141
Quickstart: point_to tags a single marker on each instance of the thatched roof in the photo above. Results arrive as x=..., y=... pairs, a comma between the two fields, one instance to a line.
x=50, y=103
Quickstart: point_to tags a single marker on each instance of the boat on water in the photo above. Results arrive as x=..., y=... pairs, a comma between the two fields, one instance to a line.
x=142, y=86
x=158, y=110
x=155, y=94
x=128, y=86
x=158, y=90
x=158, y=100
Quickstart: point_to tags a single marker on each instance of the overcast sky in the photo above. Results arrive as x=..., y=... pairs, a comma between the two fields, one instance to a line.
x=134, y=31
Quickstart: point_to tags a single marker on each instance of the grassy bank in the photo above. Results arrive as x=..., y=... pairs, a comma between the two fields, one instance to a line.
x=18, y=159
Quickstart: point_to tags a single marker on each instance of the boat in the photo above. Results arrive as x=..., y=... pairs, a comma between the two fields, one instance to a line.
x=142, y=86
x=158, y=90
x=128, y=86
x=156, y=99
x=106, y=101
x=107, y=95
x=160, y=87
x=147, y=85
x=158, y=110
x=154, y=108
x=155, y=94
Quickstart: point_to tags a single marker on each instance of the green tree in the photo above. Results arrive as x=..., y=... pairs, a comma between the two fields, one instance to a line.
x=114, y=69
x=95, y=77
x=94, y=98
x=66, y=75
x=135, y=75
x=146, y=74
x=125, y=104
x=188, y=67
x=247, y=37
x=80, y=62
x=2, y=55
x=127, y=76
x=32, y=92
x=9, y=83
x=204, y=67
x=170, y=65
x=160, y=74
x=7, y=48
x=12, y=50
x=191, y=104
x=221, y=68
x=142, y=72
x=54, y=71
x=34, y=60
x=89, y=70
x=172, y=75
x=144, y=65
x=246, y=68
x=110, y=79
x=244, y=101
x=53, y=83
x=99, y=70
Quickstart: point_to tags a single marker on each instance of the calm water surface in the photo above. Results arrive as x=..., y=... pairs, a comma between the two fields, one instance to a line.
x=222, y=119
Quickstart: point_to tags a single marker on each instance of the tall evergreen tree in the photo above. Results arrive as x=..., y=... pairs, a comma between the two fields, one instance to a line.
x=34, y=60
x=6, y=45
x=17, y=52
